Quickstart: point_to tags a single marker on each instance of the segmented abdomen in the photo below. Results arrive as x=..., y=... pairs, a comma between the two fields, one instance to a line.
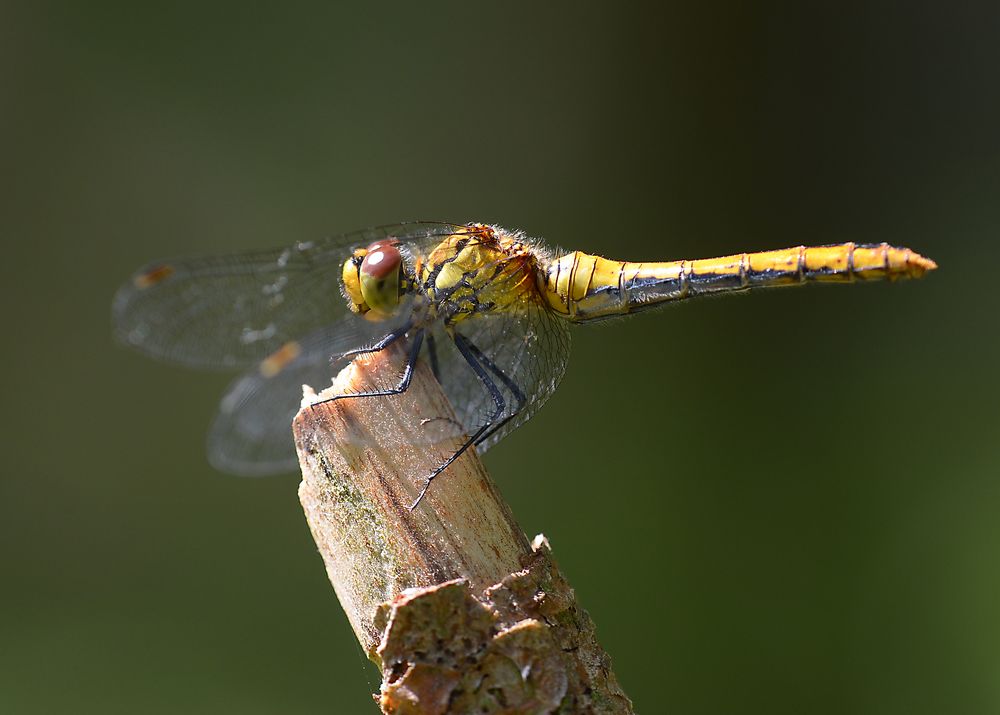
x=584, y=287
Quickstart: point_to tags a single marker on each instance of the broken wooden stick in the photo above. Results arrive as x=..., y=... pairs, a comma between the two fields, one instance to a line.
x=459, y=611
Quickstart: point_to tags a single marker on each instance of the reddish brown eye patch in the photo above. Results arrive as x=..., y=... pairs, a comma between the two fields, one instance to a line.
x=381, y=261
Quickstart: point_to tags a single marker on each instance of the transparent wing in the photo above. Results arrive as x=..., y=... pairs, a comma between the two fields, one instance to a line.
x=252, y=433
x=233, y=311
x=524, y=351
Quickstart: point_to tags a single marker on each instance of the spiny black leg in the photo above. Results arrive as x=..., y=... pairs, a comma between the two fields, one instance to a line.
x=380, y=345
x=404, y=382
x=432, y=353
x=508, y=383
x=498, y=401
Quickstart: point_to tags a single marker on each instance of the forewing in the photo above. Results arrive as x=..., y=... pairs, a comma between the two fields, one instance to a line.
x=251, y=434
x=233, y=311
x=529, y=346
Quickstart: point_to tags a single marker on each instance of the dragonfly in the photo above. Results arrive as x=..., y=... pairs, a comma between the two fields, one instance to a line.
x=489, y=309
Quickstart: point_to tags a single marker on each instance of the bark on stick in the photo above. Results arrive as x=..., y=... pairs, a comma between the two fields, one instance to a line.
x=459, y=611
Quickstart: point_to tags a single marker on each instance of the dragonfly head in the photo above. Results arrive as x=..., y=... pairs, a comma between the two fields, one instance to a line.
x=374, y=280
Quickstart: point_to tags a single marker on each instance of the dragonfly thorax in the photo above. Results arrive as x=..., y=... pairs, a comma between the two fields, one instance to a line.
x=479, y=272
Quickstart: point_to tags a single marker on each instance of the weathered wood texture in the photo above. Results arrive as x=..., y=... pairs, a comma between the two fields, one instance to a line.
x=459, y=611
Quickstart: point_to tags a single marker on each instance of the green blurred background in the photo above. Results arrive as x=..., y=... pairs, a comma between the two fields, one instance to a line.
x=786, y=503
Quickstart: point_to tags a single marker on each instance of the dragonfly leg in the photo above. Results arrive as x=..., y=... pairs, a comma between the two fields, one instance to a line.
x=404, y=382
x=499, y=406
x=380, y=345
x=433, y=355
x=516, y=391
x=512, y=386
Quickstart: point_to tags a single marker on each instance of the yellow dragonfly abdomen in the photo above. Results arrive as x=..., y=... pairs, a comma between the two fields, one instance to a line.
x=583, y=287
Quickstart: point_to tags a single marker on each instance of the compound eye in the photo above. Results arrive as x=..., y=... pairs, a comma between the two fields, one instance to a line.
x=379, y=275
x=381, y=260
x=351, y=277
